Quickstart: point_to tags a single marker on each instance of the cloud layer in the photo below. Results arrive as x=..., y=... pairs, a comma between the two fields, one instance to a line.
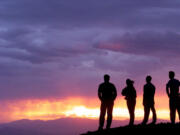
x=63, y=48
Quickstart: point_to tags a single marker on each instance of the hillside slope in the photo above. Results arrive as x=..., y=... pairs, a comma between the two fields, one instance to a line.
x=135, y=129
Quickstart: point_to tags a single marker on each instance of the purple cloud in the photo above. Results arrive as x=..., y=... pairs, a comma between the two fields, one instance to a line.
x=59, y=48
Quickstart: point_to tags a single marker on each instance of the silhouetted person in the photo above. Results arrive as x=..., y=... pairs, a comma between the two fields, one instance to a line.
x=107, y=94
x=172, y=89
x=148, y=100
x=130, y=95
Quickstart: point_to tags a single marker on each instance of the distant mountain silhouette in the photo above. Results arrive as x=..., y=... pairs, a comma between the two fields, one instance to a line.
x=65, y=126
x=133, y=129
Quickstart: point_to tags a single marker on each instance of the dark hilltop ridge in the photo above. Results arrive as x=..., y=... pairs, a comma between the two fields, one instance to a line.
x=132, y=129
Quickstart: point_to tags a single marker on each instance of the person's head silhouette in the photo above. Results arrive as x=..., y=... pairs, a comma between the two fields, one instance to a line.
x=171, y=74
x=148, y=79
x=106, y=78
x=129, y=82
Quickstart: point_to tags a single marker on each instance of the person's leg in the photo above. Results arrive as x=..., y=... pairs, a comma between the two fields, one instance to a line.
x=172, y=107
x=133, y=111
x=178, y=108
x=154, y=114
x=146, y=114
x=102, y=115
x=109, y=112
x=131, y=108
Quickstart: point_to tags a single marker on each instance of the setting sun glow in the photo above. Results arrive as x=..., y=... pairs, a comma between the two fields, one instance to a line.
x=72, y=107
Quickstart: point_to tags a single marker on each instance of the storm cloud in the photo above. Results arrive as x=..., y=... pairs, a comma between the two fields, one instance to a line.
x=54, y=49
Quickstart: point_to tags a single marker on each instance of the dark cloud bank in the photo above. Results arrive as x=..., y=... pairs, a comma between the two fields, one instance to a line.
x=62, y=48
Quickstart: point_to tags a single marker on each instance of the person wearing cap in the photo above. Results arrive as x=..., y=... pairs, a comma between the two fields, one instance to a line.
x=107, y=94
x=172, y=90
x=148, y=100
x=130, y=96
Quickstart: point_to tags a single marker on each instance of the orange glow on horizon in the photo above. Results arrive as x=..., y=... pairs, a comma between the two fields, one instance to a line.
x=119, y=113
x=74, y=107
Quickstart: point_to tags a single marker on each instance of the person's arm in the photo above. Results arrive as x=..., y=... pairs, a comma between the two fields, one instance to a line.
x=179, y=91
x=99, y=93
x=154, y=90
x=135, y=94
x=144, y=95
x=144, y=91
x=167, y=90
x=114, y=93
x=123, y=92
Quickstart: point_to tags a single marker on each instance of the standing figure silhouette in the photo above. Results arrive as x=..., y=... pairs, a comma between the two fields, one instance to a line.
x=148, y=100
x=172, y=89
x=130, y=95
x=107, y=94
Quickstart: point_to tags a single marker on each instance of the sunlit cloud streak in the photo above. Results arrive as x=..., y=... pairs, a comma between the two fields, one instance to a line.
x=72, y=107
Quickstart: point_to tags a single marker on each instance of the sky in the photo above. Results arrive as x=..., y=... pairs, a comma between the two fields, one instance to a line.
x=54, y=52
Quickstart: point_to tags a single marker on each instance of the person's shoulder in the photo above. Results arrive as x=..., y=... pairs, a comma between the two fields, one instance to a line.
x=101, y=84
x=111, y=84
x=169, y=82
x=176, y=80
x=152, y=85
x=124, y=89
x=173, y=81
x=145, y=85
